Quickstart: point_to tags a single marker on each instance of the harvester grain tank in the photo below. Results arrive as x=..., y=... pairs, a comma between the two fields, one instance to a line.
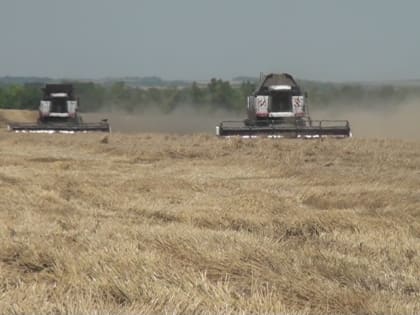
x=279, y=109
x=58, y=112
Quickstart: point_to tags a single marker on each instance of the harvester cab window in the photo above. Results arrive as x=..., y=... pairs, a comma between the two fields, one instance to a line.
x=59, y=105
x=281, y=101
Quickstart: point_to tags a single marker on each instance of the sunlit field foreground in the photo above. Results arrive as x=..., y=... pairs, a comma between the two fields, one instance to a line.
x=149, y=223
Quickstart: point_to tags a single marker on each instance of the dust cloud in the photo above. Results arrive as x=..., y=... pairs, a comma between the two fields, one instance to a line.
x=398, y=122
x=184, y=120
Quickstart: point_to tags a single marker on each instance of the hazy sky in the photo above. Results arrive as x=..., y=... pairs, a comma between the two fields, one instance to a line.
x=200, y=39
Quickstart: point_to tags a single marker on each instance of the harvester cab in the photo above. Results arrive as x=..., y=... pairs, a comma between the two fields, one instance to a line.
x=278, y=109
x=58, y=112
x=58, y=104
x=278, y=103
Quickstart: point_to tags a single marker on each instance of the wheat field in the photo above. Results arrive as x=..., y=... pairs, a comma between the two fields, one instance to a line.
x=174, y=224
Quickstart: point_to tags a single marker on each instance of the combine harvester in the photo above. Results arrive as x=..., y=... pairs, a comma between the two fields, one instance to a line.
x=58, y=113
x=278, y=109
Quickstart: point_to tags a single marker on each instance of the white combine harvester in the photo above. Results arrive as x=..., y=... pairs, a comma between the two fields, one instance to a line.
x=58, y=113
x=278, y=109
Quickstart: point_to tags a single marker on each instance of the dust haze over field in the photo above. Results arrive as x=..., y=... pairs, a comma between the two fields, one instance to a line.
x=370, y=121
x=184, y=120
x=373, y=121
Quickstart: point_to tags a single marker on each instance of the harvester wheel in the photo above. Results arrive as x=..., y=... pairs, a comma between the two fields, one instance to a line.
x=249, y=122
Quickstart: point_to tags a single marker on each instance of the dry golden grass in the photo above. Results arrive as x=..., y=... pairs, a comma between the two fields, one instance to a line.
x=11, y=115
x=148, y=223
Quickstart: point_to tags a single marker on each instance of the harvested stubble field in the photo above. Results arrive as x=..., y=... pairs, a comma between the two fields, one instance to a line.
x=155, y=223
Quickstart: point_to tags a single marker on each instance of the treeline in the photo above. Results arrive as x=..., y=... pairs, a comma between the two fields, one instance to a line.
x=361, y=96
x=217, y=94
